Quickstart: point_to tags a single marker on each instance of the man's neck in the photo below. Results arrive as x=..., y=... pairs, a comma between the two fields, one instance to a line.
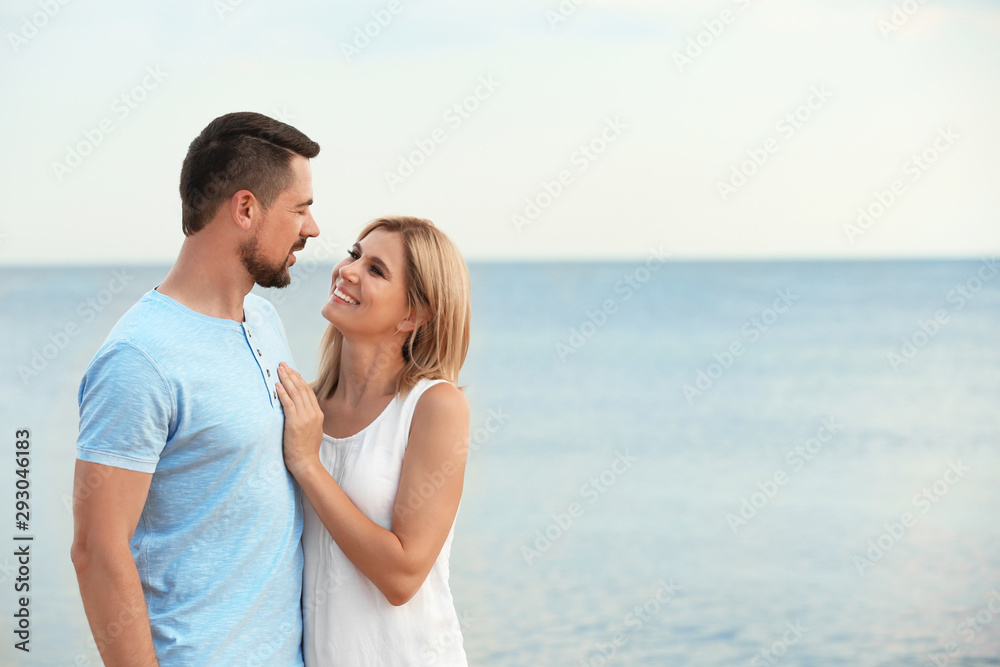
x=208, y=279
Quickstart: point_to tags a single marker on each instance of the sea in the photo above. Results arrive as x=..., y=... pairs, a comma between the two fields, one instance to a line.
x=673, y=463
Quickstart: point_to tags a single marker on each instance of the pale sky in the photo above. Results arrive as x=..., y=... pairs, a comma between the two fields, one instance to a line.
x=895, y=114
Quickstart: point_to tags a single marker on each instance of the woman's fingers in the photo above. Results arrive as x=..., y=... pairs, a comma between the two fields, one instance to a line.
x=299, y=390
x=291, y=382
x=296, y=394
x=284, y=395
x=286, y=401
x=303, y=419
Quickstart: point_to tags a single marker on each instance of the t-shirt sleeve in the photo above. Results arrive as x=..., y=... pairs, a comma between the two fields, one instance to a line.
x=126, y=409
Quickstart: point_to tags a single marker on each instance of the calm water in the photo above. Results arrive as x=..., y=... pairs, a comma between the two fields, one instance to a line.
x=604, y=520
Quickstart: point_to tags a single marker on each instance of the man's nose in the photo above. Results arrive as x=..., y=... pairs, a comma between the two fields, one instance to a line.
x=310, y=228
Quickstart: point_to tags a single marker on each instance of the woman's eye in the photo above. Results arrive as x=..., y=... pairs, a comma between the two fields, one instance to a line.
x=377, y=271
x=352, y=254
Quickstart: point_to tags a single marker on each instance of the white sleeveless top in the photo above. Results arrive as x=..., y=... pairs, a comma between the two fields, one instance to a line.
x=346, y=619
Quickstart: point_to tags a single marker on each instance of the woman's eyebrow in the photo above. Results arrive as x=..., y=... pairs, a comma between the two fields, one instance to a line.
x=374, y=260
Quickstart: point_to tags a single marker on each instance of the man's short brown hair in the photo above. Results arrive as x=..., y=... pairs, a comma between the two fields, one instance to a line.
x=238, y=151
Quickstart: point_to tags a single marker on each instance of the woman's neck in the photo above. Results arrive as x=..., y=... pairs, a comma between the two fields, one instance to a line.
x=368, y=370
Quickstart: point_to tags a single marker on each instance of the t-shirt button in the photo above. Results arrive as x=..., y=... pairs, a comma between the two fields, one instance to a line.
x=276, y=394
x=268, y=372
x=259, y=354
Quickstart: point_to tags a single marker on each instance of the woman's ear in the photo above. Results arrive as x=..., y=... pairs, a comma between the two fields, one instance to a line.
x=413, y=320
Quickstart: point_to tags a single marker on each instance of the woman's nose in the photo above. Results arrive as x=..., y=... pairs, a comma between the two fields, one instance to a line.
x=349, y=273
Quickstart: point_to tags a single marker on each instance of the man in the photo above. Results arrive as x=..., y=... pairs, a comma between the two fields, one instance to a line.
x=187, y=524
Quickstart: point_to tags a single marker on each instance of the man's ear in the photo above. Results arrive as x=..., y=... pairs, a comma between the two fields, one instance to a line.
x=244, y=209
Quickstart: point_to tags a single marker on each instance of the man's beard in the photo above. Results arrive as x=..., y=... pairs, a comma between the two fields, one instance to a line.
x=263, y=274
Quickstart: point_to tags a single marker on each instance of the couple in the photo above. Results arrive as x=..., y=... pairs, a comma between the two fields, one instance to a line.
x=193, y=543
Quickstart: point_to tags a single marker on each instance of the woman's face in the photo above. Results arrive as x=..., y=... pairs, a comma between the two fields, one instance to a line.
x=368, y=291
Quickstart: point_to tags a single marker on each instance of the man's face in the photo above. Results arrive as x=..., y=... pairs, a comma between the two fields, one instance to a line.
x=284, y=228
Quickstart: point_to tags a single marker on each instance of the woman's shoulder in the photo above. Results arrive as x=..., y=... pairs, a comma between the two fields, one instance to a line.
x=439, y=419
x=437, y=399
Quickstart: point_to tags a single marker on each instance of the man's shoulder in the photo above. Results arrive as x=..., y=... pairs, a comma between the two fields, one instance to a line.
x=157, y=328
x=142, y=324
x=126, y=361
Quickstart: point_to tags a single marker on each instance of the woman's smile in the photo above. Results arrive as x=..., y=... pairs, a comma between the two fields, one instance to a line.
x=340, y=295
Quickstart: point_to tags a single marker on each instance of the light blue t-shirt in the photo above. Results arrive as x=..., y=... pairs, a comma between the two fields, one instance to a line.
x=190, y=398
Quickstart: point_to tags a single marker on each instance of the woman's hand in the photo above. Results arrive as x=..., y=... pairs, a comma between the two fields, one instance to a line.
x=303, y=420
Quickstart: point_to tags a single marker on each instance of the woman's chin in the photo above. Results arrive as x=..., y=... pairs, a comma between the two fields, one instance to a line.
x=330, y=314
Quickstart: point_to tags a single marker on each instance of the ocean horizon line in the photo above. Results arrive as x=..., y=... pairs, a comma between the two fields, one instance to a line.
x=989, y=256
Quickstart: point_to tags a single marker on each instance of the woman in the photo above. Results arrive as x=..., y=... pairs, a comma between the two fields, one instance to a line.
x=378, y=445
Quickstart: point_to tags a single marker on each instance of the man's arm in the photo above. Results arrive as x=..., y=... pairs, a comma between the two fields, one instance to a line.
x=107, y=503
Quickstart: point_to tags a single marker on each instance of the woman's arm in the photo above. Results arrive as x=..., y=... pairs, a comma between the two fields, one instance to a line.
x=396, y=561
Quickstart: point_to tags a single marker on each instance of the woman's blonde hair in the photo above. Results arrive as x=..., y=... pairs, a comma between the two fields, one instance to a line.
x=437, y=288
